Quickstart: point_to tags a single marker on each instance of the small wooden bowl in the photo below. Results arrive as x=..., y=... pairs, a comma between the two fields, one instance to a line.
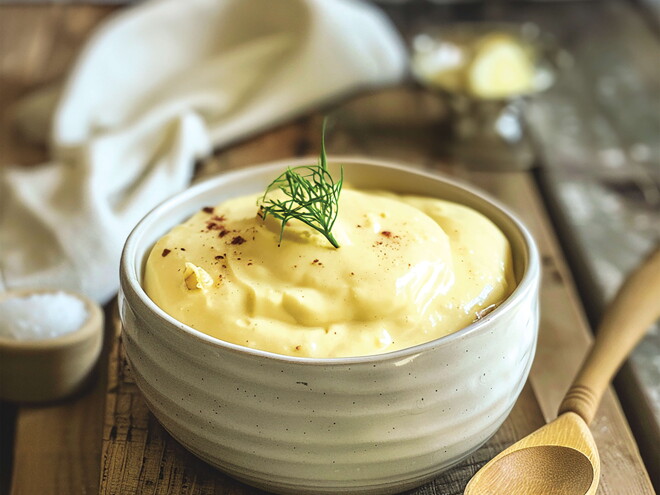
x=52, y=368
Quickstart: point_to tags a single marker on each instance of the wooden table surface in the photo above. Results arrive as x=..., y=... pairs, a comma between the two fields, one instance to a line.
x=106, y=440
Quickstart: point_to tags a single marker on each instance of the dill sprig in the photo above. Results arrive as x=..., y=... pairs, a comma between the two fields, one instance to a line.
x=312, y=196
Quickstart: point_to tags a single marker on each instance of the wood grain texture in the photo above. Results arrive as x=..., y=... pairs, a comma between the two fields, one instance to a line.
x=631, y=314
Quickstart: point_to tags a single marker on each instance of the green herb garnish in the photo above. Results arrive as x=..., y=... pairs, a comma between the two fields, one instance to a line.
x=312, y=196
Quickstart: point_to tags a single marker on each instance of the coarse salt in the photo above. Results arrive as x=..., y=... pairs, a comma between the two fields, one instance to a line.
x=41, y=316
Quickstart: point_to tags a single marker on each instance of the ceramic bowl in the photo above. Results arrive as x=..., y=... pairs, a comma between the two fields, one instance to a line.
x=51, y=368
x=360, y=425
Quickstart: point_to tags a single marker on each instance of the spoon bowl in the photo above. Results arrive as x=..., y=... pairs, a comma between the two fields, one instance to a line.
x=558, y=461
x=561, y=458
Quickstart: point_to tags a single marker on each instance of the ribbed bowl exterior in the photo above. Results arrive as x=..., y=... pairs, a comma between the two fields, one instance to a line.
x=378, y=424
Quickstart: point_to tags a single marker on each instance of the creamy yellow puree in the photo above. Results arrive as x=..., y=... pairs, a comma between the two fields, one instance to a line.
x=409, y=270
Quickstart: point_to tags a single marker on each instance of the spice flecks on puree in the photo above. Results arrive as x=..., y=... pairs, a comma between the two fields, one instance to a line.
x=409, y=270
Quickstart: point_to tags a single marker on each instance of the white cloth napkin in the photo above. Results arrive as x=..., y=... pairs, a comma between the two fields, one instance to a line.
x=155, y=88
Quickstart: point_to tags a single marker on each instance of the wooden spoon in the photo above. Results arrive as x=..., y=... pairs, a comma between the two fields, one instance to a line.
x=561, y=458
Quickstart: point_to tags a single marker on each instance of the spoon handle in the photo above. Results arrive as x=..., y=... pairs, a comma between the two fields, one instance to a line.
x=634, y=309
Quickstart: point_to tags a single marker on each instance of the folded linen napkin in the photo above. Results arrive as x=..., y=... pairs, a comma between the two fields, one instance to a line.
x=157, y=87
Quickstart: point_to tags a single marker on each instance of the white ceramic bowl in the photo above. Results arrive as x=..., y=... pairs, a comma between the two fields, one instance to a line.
x=374, y=424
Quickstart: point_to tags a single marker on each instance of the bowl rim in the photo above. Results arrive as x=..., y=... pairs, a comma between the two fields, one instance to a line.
x=129, y=278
